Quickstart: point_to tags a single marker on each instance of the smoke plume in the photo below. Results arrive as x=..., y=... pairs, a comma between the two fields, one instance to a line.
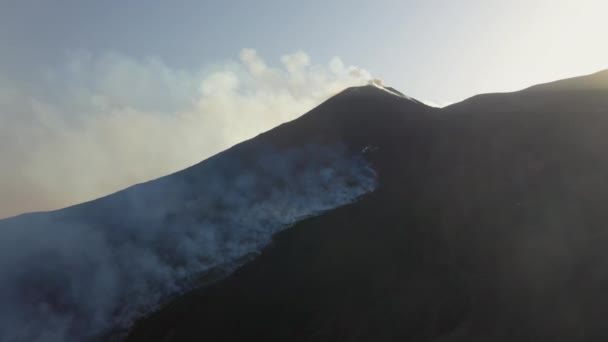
x=100, y=123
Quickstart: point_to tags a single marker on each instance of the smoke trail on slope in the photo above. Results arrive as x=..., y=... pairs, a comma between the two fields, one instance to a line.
x=78, y=273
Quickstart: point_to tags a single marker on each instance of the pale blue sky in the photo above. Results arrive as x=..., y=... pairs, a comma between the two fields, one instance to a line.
x=96, y=95
x=440, y=51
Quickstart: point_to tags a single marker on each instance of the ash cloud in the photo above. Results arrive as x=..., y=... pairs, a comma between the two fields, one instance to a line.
x=79, y=273
x=100, y=123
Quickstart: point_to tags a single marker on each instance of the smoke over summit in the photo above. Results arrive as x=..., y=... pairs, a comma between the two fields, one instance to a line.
x=100, y=123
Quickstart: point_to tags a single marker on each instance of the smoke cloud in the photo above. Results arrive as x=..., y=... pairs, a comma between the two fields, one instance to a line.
x=100, y=123
x=81, y=273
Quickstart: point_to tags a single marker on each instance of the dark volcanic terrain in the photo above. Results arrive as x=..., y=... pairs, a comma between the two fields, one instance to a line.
x=489, y=223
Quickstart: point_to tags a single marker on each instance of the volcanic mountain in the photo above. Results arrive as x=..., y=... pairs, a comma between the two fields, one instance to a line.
x=373, y=217
x=488, y=223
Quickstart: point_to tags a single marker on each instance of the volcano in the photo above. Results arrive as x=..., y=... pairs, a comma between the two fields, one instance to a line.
x=488, y=223
x=373, y=217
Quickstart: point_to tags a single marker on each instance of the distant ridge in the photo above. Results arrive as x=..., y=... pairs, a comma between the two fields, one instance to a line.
x=597, y=81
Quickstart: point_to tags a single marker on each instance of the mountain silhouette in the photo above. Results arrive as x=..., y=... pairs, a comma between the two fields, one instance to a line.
x=373, y=217
x=488, y=223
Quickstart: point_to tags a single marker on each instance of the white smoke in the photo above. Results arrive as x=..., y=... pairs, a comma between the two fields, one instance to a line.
x=100, y=123
x=83, y=272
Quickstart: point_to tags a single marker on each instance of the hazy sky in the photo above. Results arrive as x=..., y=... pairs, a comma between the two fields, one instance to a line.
x=98, y=95
x=442, y=51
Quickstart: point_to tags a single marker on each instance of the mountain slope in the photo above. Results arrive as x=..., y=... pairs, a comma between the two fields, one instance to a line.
x=488, y=224
x=88, y=271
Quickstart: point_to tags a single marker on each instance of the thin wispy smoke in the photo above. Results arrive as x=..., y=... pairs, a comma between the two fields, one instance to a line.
x=100, y=123
x=83, y=272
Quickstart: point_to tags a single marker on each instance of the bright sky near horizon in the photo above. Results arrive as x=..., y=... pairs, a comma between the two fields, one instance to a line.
x=98, y=95
x=440, y=50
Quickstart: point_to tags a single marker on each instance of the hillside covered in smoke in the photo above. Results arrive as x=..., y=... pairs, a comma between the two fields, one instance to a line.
x=85, y=272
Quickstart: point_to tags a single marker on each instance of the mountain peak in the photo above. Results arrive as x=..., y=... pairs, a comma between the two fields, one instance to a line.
x=378, y=83
x=376, y=88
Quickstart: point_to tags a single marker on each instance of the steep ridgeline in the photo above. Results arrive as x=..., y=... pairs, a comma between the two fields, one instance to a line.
x=488, y=223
